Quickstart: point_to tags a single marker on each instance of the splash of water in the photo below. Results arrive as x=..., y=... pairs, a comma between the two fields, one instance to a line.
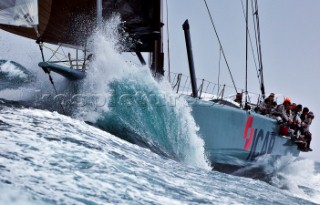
x=134, y=105
x=12, y=71
x=14, y=196
x=13, y=76
x=298, y=176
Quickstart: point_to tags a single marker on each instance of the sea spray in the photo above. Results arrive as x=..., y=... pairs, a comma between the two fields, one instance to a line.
x=14, y=75
x=128, y=102
x=298, y=176
x=12, y=70
x=14, y=196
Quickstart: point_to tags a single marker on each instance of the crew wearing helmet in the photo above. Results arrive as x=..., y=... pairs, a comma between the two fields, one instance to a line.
x=284, y=116
x=284, y=111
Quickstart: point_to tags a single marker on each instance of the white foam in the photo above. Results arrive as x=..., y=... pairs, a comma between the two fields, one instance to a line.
x=12, y=71
x=298, y=176
x=44, y=154
x=11, y=196
x=109, y=65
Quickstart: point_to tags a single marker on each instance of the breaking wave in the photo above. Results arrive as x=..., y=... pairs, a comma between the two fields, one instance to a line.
x=13, y=75
x=131, y=104
x=298, y=176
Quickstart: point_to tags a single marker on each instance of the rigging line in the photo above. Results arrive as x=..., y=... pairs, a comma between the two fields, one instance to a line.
x=256, y=37
x=168, y=42
x=219, y=71
x=258, y=44
x=224, y=56
x=247, y=6
x=256, y=34
x=64, y=52
x=54, y=53
x=251, y=45
x=207, y=86
x=48, y=72
x=260, y=52
x=54, y=87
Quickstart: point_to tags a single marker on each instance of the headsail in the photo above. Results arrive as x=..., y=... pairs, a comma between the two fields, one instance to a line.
x=19, y=13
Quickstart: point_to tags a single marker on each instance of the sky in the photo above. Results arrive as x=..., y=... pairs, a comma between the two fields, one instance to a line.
x=289, y=36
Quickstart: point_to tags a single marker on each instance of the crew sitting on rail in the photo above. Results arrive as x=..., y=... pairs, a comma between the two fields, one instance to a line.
x=267, y=105
x=304, y=114
x=239, y=99
x=284, y=111
x=284, y=117
x=296, y=121
x=293, y=107
x=305, y=132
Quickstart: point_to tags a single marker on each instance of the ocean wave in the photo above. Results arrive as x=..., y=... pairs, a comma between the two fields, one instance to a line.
x=134, y=106
x=13, y=75
x=10, y=195
x=298, y=176
x=54, y=159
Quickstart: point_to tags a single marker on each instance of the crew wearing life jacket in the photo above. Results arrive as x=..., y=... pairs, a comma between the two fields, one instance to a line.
x=294, y=122
x=284, y=111
x=284, y=117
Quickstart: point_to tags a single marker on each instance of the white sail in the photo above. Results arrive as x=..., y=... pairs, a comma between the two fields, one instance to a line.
x=19, y=12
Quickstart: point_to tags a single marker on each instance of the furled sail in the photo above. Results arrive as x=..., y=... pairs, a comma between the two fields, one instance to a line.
x=19, y=12
x=71, y=22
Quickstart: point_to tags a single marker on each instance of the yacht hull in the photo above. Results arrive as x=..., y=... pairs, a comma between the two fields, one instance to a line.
x=236, y=137
x=68, y=72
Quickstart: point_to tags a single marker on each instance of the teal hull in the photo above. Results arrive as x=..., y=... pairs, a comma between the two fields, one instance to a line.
x=69, y=73
x=237, y=137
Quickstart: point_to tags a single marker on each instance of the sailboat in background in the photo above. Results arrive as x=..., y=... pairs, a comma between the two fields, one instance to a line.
x=232, y=136
x=70, y=24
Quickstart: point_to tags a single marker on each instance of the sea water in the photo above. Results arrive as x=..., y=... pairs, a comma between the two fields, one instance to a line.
x=49, y=158
x=127, y=140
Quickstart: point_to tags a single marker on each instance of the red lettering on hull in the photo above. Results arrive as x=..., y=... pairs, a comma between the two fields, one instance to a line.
x=248, y=133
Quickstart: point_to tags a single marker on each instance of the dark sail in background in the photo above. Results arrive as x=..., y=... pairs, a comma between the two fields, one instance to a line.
x=71, y=22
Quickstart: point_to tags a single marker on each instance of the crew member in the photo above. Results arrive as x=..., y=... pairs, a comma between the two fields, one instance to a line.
x=267, y=105
x=306, y=130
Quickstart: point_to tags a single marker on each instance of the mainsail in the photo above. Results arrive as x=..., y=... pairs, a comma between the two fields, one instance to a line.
x=71, y=22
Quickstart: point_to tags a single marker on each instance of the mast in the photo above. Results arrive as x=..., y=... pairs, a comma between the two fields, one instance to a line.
x=256, y=13
x=186, y=29
x=246, y=101
x=99, y=12
x=157, y=54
